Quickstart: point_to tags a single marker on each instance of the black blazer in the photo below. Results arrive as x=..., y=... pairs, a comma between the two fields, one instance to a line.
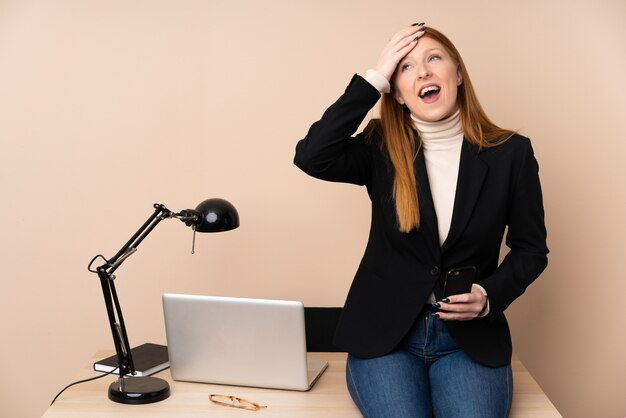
x=497, y=188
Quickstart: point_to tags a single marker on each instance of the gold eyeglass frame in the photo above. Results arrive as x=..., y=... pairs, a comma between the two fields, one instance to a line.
x=235, y=402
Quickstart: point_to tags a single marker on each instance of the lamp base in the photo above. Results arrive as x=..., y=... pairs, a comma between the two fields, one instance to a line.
x=139, y=390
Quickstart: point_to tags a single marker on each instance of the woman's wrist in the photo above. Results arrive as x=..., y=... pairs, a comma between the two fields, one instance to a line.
x=485, y=310
x=377, y=80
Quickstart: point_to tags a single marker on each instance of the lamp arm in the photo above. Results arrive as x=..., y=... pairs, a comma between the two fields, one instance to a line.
x=114, y=310
x=160, y=213
x=124, y=360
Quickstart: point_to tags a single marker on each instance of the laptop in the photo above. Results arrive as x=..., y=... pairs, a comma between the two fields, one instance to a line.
x=239, y=341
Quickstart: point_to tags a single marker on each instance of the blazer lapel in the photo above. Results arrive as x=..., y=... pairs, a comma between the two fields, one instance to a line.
x=428, y=217
x=472, y=173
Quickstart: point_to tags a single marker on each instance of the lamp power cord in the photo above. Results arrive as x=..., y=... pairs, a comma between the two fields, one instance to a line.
x=83, y=381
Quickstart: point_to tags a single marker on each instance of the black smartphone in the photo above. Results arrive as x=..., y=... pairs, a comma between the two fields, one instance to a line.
x=459, y=280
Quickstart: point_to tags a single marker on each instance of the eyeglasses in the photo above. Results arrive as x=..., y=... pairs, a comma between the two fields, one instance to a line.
x=235, y=402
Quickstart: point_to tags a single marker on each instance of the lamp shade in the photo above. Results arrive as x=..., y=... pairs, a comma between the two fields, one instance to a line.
x=216, y=215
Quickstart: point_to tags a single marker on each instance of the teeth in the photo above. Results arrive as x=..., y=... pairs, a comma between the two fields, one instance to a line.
x=428, y=89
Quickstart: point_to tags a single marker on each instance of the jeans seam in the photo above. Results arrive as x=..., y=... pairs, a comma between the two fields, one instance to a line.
x=509, y=382
x=356, y=391
x=427, y=320
x=436, y=332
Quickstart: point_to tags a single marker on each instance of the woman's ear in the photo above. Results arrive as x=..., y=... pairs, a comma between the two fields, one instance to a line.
x=397, y=96
x=459, y=77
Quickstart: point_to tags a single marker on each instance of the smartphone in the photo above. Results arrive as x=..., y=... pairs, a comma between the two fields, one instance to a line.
x=459, y=280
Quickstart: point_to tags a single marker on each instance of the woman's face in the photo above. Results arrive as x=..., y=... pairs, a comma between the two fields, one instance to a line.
x=427, y=80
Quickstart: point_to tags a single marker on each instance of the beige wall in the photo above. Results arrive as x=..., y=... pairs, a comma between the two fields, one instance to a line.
x=109, y=106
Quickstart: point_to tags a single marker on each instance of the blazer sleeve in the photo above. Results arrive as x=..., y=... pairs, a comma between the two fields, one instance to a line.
x=328, y=151
x=526, y=238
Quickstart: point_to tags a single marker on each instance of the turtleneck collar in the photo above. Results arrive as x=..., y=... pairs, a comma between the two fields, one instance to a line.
x=441, y=133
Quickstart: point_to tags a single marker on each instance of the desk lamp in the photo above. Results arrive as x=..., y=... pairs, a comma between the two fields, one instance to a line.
x=212, y=215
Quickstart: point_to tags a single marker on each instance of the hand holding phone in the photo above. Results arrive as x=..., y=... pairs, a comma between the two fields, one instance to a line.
x=459, y=280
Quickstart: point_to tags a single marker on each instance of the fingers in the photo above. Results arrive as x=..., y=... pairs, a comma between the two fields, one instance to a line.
x=461, y=307
x=404, y=41
x=464, y=298
x=449, y=316
x=408, y=35
x=397, y=48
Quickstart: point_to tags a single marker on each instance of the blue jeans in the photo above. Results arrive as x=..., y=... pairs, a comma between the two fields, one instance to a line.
x=428, y=374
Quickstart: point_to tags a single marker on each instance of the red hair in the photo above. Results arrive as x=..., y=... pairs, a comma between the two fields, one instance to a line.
x=401, y=141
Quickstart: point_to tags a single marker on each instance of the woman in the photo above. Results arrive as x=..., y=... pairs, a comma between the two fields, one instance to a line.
x=445, y=183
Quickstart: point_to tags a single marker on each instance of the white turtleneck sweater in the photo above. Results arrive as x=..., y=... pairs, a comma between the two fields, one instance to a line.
x=442, y=141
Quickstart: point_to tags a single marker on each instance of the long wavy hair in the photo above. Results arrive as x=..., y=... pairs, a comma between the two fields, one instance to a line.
x=401, y=140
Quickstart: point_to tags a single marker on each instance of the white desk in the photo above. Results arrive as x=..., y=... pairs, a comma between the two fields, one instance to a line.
x=329, y=397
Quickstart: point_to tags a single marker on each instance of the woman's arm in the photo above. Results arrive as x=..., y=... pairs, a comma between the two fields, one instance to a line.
x=526, y=238
x=329, y=151
x=527, y=257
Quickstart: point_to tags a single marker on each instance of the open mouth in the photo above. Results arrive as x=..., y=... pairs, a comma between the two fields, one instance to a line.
x=429, y=93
